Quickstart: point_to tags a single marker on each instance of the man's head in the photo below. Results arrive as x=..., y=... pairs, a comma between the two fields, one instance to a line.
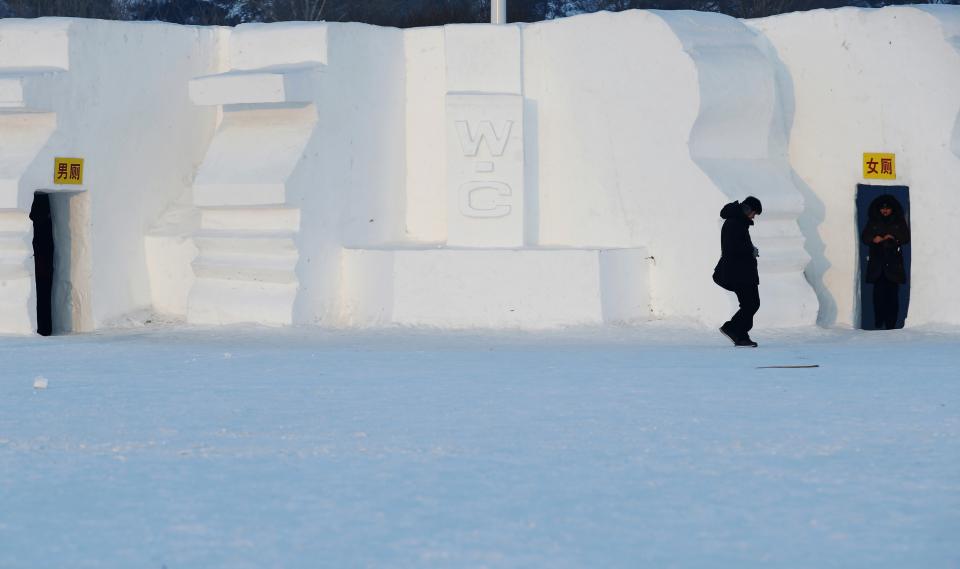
x=886, y=209
x=751, y=207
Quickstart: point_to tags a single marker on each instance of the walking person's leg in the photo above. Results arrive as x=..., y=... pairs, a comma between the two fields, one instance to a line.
x=742, y=321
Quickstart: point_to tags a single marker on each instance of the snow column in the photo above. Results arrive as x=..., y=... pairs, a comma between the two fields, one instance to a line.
x=247, y=239
x=34, y=56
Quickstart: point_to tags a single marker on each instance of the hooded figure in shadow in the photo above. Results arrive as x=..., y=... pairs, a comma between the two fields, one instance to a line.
x=737, y=269
x=886, y=233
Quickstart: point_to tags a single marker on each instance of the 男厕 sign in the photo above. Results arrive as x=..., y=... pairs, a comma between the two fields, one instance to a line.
x=68, y=171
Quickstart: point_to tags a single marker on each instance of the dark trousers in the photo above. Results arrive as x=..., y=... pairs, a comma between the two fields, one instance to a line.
x=886, y=303
x=749, y=298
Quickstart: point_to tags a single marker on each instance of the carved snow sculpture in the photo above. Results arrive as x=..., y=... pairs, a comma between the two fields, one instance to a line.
x=647, y=123
x=479, y=268
x=247, y=240
x=739, y=140
x=563, y=172
x=112, y=94
x=883, y=80
x=32, y=59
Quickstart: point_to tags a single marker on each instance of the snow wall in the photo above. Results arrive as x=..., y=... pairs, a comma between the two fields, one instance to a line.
x=558, y=173
x=875, y=81
x=114, y=94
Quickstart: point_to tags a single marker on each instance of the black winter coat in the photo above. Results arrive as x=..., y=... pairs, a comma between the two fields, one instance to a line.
x=738, y=264
x=886, y=258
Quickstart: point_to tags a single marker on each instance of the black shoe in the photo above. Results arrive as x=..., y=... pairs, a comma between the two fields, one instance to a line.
x=745, y=342
x=726, y=331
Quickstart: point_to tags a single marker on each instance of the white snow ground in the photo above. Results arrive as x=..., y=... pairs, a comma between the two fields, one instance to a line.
x=650, y=447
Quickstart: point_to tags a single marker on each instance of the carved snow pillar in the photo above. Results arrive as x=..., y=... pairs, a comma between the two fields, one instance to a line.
x=484, y=132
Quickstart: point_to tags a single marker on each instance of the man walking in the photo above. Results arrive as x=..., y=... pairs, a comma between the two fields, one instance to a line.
x=737, y=269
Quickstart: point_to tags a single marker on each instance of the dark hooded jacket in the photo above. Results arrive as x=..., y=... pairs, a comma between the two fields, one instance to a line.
x=886, y=258
x=738, y=265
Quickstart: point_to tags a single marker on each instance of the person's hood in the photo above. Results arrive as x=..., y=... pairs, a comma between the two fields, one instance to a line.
x=734, y=210
x=895, y=215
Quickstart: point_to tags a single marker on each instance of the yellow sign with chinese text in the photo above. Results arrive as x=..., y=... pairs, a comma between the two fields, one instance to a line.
x=879, y=166
x=68, y=171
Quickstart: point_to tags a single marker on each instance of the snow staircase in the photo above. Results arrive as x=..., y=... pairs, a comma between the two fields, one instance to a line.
x=246, y=268
x=27, y=120
x=16, y=282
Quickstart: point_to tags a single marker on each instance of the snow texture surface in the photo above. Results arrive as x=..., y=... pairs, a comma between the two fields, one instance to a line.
x=602, y=447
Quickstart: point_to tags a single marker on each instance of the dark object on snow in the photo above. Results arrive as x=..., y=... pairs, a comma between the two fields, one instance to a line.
x=737, y=269
x=797, y=366
x=885, y=233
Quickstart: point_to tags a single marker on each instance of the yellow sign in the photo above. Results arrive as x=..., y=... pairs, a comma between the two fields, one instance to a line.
x=879, y=166
x=68, y=171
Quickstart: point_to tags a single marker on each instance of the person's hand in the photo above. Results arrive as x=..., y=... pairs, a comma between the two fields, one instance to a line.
x=888, y=236
x=878, y=239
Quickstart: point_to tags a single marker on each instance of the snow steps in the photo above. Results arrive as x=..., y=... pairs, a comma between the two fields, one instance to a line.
x=265, y=218
x=16, y=281
x=247, y=256
x=246, y=266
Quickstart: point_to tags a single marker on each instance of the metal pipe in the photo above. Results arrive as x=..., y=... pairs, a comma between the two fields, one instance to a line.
x=498, y=11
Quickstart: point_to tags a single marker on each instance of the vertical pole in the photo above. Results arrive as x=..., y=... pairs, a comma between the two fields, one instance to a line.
x=498, y=11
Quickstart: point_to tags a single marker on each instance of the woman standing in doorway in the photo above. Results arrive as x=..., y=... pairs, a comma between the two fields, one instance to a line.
x=885, y=233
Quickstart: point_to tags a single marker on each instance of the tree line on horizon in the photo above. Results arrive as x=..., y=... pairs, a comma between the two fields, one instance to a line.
x=402, y=13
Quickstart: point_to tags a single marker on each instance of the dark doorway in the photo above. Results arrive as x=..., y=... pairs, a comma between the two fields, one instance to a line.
x=866, y=194
x=43, y=260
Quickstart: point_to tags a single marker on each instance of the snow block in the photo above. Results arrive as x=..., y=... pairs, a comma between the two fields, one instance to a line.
x=273, y=85
x=425, y=135
x=625, y=284
x=257, y=46
x=465, y=288
x=28, y=90
x=483, y=58
x=41, y=43
x=240, y=170
x=216, y=301
x=485, y=204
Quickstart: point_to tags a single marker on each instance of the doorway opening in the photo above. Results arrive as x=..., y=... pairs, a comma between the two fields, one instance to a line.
x=61, y=252
x=870, y=196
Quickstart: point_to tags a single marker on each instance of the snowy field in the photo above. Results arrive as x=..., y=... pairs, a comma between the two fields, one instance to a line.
x=649, y=447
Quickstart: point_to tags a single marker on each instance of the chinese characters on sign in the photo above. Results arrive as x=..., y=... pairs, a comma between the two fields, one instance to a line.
x=68, y=171
x=879, y=166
